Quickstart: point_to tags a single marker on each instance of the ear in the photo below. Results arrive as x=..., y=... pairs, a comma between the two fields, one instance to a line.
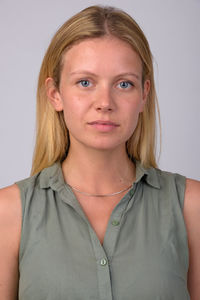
x=53, y=94
x=145, y=93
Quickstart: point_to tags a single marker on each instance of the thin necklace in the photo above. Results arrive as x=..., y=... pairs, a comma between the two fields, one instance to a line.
x=100, y=195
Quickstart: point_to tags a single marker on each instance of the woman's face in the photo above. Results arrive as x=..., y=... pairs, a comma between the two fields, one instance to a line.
x=100, y=92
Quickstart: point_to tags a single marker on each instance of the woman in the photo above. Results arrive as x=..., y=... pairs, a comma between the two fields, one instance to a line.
x=97, y=219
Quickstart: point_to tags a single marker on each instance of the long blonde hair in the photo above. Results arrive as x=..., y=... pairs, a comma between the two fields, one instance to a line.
x=52, y=139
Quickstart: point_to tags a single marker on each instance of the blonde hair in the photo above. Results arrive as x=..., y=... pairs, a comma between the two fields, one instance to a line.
x=52, y=139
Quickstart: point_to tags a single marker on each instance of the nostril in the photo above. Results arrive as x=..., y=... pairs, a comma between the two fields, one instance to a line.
x=104, y=108
x=104, y=102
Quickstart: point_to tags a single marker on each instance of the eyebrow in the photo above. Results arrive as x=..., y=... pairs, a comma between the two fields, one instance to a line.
x=93, y=74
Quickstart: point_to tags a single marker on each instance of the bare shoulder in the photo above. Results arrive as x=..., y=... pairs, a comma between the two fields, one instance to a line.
x=192, y=189
x=191, y=208
x=10, y=208
x=10, y=203
x=192, y=220
x=9, y=191
x=192, y=200
x=10, y=228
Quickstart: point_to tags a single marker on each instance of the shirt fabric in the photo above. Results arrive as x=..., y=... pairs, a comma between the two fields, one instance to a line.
x=144, y=255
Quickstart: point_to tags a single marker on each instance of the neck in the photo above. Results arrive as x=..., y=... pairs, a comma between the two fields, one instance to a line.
x=98, y=172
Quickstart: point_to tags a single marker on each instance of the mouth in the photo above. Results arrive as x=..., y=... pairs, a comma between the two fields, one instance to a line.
x=102, y=122
x=104, y=126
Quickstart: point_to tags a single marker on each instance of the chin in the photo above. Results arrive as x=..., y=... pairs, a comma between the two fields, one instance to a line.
x=106, y=146
x=99, y=143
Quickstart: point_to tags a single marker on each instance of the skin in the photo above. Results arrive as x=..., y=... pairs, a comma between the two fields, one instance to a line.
x=102, y=149
x=91, y=90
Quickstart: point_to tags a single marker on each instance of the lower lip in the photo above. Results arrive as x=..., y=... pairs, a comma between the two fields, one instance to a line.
x=104, y=127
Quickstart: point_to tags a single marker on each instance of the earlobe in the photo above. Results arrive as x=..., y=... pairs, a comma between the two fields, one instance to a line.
x=53, y=94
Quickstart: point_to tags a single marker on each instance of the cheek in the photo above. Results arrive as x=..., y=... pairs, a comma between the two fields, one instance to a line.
x=131, y=116
x=73, y=111
x=132, y=110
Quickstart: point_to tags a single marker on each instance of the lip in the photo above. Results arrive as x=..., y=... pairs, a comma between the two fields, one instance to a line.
x=103, y=122
x=103, y=125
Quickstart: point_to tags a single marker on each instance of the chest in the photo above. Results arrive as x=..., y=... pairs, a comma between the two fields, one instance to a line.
x=98, y=211
x=143, y=257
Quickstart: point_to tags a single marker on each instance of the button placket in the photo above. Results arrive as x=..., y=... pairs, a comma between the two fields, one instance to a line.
x=115, y=223
x=103, y=268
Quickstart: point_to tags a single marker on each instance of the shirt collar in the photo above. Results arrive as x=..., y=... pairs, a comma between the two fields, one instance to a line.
x=53, y=177
x=150, y=175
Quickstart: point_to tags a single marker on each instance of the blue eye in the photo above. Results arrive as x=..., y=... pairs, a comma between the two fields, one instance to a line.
x=84, y=82
x=125, y=84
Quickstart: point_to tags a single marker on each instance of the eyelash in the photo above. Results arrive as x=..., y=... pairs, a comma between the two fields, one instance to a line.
x=124, y=81
x=82, y=80
x=128, y=82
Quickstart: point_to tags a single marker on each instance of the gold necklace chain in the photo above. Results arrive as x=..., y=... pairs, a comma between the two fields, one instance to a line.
x=100, y=195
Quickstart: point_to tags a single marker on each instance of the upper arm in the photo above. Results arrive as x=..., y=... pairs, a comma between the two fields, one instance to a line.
x=192, y=220
x=10, y=228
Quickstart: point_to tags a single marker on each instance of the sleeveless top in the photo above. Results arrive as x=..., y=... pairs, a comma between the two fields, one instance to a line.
x=144, y=255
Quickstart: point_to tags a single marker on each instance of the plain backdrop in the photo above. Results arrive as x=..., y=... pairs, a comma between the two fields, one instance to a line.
x=173, y=31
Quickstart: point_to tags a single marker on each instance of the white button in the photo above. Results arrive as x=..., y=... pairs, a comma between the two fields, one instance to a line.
x=103, y=262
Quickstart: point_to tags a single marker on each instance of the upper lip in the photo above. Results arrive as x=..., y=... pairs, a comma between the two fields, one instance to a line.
x=103, y=122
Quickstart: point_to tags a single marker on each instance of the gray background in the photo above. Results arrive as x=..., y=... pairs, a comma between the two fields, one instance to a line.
x=173, y=31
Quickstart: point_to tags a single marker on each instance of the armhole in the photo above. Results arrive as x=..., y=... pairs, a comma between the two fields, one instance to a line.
x=23, y=200
x=180, y=186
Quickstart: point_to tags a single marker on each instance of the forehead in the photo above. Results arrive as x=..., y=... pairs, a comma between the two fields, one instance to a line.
x=101, y=54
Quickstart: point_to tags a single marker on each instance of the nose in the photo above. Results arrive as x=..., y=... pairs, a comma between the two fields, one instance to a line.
x=104, y=100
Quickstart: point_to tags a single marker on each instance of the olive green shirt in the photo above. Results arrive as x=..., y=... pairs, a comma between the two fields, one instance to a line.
x=144, y=255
